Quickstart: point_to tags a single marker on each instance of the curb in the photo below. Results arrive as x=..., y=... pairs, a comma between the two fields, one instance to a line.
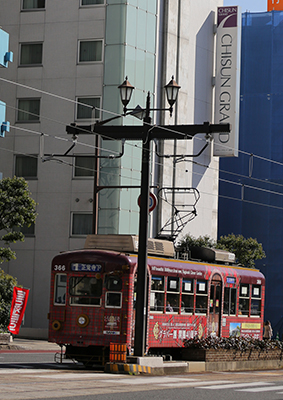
x=167, y=368
x=131, y=369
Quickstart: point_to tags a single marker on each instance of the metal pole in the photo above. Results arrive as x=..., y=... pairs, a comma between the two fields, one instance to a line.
x=142, y=292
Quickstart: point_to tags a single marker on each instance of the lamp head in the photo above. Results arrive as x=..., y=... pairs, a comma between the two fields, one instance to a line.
x=126, y=90
x=172, y=90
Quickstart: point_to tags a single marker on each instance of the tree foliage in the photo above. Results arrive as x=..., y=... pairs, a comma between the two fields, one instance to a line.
x=17, y=209
x=7, y=283
x=202, y=241
x=245, y=250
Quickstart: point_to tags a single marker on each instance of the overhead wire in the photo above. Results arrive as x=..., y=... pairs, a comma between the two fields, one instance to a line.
x=92, y=146
x=138, y=180
x=138, y=170
x=165, y=128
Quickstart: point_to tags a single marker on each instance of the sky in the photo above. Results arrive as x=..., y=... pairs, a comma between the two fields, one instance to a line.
x=248, y=5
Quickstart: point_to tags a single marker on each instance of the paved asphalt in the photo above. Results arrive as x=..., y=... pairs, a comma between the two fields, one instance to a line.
x=21, y=379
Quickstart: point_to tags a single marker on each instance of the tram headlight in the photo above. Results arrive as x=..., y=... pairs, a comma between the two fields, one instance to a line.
x=82, y=320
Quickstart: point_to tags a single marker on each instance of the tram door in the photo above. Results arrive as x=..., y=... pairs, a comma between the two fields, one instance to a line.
x=214, y=321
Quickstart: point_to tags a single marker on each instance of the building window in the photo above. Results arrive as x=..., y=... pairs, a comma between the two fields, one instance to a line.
x=28, y=110
x=31, y=54
x=90, y=50
x=91, y=108
x=33, y=4
x=26, y=166
x=28, y=231
x=81, y=224
x=84, y=166
x=91, y=2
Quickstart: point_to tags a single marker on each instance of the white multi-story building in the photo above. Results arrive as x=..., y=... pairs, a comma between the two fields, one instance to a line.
x=69, y=53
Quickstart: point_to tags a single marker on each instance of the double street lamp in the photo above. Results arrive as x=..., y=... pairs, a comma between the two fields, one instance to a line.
x=126, y=90
x=172, y=90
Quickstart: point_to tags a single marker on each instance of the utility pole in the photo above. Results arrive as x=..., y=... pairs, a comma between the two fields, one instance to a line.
x=141, y=303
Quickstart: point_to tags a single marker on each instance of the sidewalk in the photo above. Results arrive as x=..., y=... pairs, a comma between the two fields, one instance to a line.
x=31, y=344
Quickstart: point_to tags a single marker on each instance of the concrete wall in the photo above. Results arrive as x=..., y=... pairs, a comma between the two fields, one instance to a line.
x=190, y=58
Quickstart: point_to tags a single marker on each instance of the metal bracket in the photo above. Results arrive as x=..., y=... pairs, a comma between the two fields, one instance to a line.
x=181, y=157
x=183, y=213
x=53, y=156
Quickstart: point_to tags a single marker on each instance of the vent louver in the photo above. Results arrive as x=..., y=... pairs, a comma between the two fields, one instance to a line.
x=129, y=244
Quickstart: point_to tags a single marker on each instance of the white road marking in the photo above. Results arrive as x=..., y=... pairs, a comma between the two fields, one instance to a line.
x=261, y=389
x=65, y=376
x=194, y=383
x=21, y=371
x=150, y=380
x=236, y=385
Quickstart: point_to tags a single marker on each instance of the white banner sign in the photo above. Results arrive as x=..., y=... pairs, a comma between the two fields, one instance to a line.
x=227, y=80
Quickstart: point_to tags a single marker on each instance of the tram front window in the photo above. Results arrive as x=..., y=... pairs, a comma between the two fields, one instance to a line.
x=85, y=290
x=113, y=300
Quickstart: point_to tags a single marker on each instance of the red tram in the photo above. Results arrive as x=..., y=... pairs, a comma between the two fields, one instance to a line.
x=92, y=300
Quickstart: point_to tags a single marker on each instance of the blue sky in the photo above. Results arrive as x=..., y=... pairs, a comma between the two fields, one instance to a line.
x=248, y=5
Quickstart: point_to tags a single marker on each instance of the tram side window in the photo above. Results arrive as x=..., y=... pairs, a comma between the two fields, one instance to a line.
x=187, y=303
x=244, y=299
x=85, y=290
x=173, y=294
x=230, y=301
x=60, y=289
x=157, y=294
x=201, y=297
x=256, y=300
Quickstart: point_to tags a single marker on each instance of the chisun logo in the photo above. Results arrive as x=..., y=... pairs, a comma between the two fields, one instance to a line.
x=227, y=17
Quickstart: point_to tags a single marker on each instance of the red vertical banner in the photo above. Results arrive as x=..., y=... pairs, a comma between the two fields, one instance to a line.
x=19, y=302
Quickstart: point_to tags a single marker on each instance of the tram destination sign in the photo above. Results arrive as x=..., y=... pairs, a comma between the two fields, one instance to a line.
x=86, y=267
